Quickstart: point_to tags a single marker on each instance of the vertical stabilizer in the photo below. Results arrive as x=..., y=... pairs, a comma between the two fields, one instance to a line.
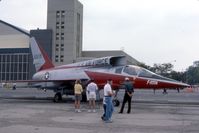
x=40, y=58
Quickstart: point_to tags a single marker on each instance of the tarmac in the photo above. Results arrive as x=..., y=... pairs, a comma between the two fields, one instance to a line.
x=32, y=111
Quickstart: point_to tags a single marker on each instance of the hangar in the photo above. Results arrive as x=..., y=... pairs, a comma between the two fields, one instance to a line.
x=62, y=40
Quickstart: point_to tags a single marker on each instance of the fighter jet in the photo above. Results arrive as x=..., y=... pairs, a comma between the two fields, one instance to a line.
x=61, y=79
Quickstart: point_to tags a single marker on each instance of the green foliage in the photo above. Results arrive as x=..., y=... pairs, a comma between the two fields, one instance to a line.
x=190, y=76
x=192, y=73
x=162, y=69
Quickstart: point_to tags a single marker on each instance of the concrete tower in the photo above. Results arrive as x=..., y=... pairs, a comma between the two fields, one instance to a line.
x=65, y=19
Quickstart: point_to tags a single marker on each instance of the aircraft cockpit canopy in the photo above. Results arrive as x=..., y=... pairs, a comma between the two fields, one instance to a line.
x=142, y=72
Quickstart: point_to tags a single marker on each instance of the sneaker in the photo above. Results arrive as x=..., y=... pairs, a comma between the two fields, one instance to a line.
x=108, y=121
x=120, y=112
x=89, y=111
x=94, y=110
x=79, y=111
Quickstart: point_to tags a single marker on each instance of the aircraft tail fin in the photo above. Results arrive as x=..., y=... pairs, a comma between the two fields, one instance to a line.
x=40, y=58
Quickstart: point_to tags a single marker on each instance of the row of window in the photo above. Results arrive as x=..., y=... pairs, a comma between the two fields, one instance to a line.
x=59, y=58
x=60, y=14
x=59, y=46
x=13, y=76
x=14, y=67
x=14, y=58
x=59, y=36
x=58, y=26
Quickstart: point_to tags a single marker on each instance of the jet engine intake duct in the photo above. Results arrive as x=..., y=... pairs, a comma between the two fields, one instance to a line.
x=118, y=60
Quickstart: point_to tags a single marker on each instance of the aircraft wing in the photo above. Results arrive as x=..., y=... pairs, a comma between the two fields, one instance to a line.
x=47, y=84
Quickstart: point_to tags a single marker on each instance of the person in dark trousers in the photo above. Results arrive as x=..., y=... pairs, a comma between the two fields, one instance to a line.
x=129, y=90
x=164, y=91
x=104, y=107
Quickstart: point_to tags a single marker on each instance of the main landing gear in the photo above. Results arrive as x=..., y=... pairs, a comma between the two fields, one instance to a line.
x=58, y=97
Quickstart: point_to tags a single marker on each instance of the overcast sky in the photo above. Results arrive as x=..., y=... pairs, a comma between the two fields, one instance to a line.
x=151, y=31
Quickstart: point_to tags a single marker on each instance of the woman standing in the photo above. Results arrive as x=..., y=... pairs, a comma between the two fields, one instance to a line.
x=78, y=95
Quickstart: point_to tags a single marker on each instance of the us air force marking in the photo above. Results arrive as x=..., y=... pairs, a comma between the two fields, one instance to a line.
x=47, y=75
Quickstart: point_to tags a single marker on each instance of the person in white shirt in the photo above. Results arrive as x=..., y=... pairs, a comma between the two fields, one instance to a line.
x=91, y=91
x=108, y=93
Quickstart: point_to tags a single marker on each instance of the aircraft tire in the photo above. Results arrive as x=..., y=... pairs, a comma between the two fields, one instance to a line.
x=57, y=98
x=116, y=102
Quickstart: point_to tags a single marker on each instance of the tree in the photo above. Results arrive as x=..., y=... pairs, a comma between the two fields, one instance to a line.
x=190, y=76
x=192, y=73
x=162, y=69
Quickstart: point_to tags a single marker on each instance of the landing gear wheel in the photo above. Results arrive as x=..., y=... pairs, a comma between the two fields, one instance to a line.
x=57, y=97
x=116, y=102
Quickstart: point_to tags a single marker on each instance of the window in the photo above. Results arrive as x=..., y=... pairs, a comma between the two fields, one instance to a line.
x=62, y=49
x=62, y=13
x=57, y=14
x=118, y=70
x=130, y=70
x=57, y=36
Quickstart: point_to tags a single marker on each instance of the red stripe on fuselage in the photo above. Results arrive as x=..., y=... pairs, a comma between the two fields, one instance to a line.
x=139, y=82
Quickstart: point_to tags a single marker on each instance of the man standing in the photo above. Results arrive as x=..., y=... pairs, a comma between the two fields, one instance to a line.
x=129, y=90
x=108, y=101
x=91, y=90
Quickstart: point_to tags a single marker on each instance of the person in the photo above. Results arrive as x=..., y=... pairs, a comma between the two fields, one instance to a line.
x=129, y=90
x=153, y=90
x=78, y=95
x=14, y=86
x=178, y=89
x=108, y=93
x=104, y=107
x=91, y=90
x=164, y=91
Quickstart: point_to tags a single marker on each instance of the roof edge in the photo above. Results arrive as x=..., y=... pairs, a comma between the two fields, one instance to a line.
x=14, y=27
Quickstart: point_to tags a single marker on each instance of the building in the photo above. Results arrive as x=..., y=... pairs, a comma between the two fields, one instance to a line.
x=14, y=53
x=62, y=40
x=65, y=19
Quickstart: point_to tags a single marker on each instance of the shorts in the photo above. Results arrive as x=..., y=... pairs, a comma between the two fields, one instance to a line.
x=92, y=96
x=78, y=97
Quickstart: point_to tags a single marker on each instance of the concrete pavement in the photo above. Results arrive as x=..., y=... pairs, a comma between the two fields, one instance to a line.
x=39, y=115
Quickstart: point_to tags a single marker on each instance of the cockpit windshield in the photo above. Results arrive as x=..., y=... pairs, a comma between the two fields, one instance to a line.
x=131, y=70
x=145, y=73
x=142, y=72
